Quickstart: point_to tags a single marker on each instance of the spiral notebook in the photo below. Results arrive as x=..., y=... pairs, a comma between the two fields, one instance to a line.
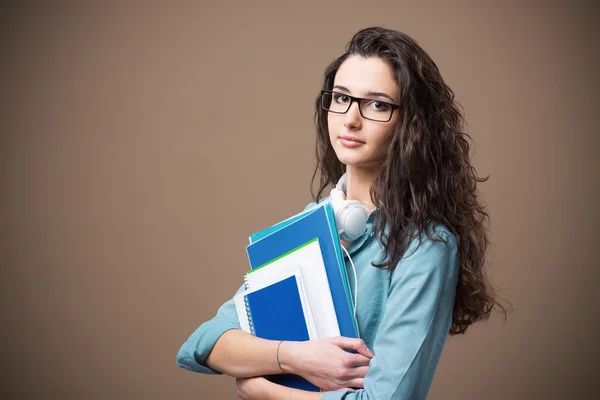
x=307, y=262
x=259, y=306
x=277, y=311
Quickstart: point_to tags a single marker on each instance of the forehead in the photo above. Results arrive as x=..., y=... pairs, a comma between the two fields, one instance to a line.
x=362, y=75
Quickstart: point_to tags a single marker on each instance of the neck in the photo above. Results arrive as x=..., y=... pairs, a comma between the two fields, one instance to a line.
x=358, y=184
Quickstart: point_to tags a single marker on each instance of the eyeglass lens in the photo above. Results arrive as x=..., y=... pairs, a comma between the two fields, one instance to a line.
x=369, y=108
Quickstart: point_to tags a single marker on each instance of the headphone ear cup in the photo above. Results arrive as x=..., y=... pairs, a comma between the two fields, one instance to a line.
x=350, y=215
x=351, y=220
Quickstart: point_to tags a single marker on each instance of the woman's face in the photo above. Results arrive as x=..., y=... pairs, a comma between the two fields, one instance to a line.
x=358, y=141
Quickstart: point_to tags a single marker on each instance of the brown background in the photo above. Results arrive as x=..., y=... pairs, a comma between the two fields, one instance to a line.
x=142, y=143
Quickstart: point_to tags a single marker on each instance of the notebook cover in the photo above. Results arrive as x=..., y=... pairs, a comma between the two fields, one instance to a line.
x=276, y=313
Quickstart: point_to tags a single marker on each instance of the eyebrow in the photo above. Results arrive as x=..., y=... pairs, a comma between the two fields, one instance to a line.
x=380, y=94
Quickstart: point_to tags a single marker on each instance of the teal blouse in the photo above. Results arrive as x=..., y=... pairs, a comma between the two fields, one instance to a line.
x=404, y=318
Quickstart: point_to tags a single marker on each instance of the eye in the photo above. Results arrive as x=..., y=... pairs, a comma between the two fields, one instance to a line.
x=341, y=98
x=379, y=105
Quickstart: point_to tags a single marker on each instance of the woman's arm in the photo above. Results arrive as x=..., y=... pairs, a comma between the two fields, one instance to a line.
x=240, y=354
x=219, y=346
x=415, y=324
x=261, y=389
x=322, y=362
x=193, y=353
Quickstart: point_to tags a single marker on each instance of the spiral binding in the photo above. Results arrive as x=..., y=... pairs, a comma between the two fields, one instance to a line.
x=248, y=313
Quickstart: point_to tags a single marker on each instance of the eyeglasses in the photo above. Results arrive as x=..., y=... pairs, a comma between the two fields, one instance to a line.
x=340, y=103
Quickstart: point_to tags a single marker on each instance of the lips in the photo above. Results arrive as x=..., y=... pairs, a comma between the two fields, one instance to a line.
x=350, y=141
x=349, y=138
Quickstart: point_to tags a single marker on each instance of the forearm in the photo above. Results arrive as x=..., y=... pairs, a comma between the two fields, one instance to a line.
x=279, y=392
x=260, y=388
x=242, y=355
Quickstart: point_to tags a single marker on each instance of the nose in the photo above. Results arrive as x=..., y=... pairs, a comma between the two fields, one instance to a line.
x=352, y=118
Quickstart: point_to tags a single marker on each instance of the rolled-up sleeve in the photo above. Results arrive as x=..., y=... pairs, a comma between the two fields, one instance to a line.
x=192, y=355
x=415, y=324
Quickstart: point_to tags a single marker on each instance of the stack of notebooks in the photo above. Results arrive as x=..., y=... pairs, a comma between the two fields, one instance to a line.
x=297, y=288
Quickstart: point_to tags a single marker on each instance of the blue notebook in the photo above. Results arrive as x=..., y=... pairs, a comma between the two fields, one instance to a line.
x=275, y=312
x=276, y=241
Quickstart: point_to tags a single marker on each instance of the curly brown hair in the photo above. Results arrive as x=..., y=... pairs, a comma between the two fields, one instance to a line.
x=427, y=173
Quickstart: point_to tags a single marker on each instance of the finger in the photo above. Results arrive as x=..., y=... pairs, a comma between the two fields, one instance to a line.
x=362, y=348
x=359, y=372
x=357, y=383
x=348, y=343
x=357, y=360
x=354, y=344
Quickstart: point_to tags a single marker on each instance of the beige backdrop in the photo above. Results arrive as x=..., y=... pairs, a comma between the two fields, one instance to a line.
x=141, y=144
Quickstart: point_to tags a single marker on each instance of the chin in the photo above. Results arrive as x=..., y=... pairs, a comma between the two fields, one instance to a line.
x=353, y=161
x=347, y=159
x=350, y=158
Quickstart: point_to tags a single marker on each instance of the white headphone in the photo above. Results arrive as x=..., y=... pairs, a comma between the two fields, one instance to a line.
x=350, y=215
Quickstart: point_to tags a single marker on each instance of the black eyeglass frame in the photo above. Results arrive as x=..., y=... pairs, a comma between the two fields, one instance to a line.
x=357, y=100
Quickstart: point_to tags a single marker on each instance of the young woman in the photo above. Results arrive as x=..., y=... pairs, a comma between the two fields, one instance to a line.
x=388, y=127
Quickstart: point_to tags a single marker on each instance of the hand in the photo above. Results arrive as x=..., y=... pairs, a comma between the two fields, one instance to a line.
x=251, y=388
x=326, y=364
